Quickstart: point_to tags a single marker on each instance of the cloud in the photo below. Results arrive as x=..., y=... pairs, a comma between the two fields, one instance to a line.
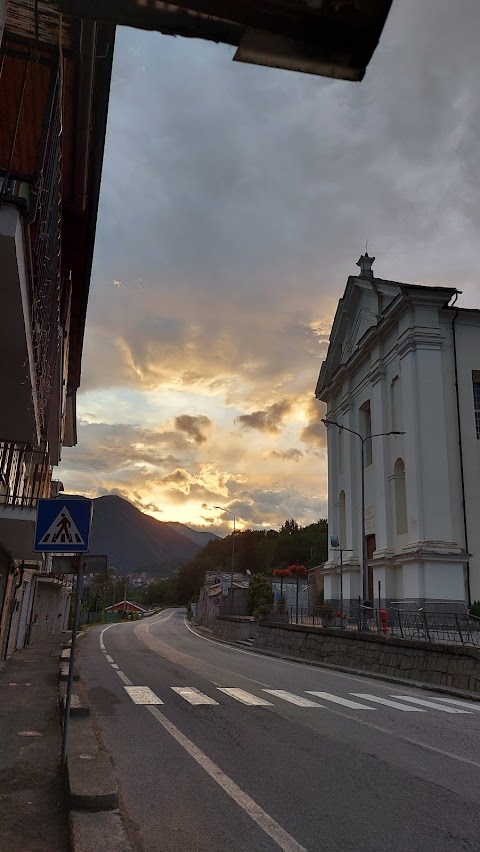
x=226, y=232
x=268, y=420
x=288, y=455
x=314, y=432
x=195, y=427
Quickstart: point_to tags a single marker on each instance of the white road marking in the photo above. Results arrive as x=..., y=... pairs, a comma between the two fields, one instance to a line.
x=271, y=827
x=424, y=703
x=114, y=666
x=192, y=695
x=388, y=703
x=109, y=658
x=245, y=697
x=160, y=621
x=142, y=695
x=355, y=705
x=293, y=699
x=125, y=679
x=472, y=705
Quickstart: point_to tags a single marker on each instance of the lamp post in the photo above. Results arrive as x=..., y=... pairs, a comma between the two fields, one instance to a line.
x=363, y=442
x=228, y=512
x=335, y=545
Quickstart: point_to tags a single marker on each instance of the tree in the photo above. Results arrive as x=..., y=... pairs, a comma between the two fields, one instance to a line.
x=260, y=595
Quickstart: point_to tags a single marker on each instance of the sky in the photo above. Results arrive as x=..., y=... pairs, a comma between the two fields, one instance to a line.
x=235, y=202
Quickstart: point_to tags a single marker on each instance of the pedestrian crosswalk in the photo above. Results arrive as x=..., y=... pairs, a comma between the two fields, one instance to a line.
x=223, y=695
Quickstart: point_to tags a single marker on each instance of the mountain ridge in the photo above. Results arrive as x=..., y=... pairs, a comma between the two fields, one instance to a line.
x=135, y=542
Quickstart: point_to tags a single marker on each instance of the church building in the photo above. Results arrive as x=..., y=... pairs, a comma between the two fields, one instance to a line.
x=401, y=381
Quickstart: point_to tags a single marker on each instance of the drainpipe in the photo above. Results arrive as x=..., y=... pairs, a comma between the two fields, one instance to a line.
x=460, y=447
x=12, y=608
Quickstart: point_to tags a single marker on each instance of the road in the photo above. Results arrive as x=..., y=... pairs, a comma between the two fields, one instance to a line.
x=237, y=751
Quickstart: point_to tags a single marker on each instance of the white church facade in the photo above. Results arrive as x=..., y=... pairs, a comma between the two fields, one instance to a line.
x=403, y=359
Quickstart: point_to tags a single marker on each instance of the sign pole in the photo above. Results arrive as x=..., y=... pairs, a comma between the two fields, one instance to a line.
x=76, y=619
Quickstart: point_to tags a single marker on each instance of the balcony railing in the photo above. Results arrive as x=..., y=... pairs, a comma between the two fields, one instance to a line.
x=25, y=474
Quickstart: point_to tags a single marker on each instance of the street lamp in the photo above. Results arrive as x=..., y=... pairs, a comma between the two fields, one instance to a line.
x=228, y=512
x=363, y=441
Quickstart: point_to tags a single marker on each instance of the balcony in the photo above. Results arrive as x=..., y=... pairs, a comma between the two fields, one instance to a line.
x=30, y=245
x=25, y=477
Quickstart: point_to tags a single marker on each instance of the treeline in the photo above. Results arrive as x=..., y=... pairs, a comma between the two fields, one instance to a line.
x=258, y=551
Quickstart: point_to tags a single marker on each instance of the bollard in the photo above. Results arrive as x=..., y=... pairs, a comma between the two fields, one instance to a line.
x=383, y=620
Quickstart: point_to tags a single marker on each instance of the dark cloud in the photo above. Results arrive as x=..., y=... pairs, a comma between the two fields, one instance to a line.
x=268, y=420
x=195, y=426
x=314, y=432
x=288, y=455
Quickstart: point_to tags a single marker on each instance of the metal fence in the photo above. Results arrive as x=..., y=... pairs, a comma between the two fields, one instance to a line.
x=430, y=623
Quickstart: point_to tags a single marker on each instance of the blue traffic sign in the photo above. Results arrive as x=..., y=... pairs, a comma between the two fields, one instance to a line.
x=63, y=526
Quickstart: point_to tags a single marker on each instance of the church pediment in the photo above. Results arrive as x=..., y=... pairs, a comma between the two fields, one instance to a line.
x=361, y=307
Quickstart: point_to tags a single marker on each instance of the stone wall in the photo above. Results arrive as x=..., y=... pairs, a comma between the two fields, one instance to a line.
x=437, y=663
x=232, y=628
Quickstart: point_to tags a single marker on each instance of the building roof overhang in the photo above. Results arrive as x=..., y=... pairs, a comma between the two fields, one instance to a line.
x=327, y=38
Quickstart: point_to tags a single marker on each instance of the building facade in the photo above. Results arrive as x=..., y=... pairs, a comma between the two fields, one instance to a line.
x=54, y=87
x=403, y=359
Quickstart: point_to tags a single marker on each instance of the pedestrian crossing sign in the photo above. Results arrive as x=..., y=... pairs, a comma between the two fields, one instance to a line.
x=63, y=526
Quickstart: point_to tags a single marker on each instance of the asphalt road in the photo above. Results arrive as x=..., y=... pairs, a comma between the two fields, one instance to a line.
x=209, y=771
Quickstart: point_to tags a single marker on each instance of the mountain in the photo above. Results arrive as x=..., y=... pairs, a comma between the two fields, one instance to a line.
x=200, y=538
x=135, y=542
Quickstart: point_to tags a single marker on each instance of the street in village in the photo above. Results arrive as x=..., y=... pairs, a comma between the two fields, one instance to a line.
x=215, y=747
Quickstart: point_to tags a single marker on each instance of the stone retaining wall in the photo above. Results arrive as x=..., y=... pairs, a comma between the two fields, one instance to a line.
x=457, y=666
x=232, y=628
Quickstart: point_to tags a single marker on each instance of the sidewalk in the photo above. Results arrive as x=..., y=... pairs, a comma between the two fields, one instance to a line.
x=32, y=801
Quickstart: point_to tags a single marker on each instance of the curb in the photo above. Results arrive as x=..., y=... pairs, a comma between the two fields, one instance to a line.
x=94, y=819
x=418, y=684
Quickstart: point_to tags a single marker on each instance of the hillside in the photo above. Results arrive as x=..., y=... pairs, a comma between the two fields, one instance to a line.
x=135, y=542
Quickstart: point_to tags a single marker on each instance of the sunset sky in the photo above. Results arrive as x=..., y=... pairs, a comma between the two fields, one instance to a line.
x=235, y=202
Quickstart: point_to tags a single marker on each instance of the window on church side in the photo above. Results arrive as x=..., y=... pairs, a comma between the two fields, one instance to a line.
x=342, y=520
x=400, y=497
x=476, y=400
x=396, y=418
x=365, y=430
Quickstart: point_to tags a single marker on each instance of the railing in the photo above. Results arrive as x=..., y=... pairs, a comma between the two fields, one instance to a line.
x=45, y=297
x=25, y=474
x=428, y=623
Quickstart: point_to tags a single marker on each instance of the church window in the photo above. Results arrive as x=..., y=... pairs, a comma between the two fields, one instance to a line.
x=400, y=497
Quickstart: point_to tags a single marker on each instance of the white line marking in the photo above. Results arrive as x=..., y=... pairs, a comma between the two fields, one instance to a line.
x=160, y=621
x=142, y=695
x=424, y=703
x=114, y=666
x=388, y=703
x=391, y=733
x=192, y=695
x=245, y=697
x=282, y=838
x=293, y=699
x=328, y=696
x=125, y=679
x=109, y=658
x=470, y=704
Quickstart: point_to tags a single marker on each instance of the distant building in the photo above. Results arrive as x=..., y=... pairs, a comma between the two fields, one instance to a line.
x=403, y=358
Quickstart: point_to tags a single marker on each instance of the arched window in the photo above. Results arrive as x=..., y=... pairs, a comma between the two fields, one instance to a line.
x=342, y=520
x=400, y=497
